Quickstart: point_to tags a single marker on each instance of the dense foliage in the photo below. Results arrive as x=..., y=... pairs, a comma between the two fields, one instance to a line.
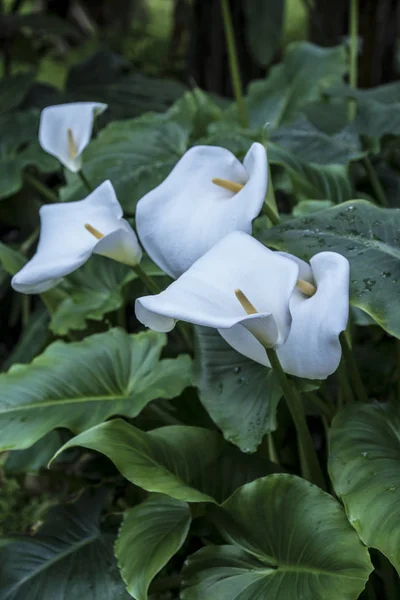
x=154, y=465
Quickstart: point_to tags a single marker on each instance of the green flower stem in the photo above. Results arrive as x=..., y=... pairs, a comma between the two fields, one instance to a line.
x=345, y=387
x=320, y=405
x=233, y=63
x=272, y=452
x=270, y=213
x=153, y=288
x=270, y=208
x=85, y=181
x=310, y=466
x=27, y=244
x=147, y=280
x=375, y=183
x=43, y=190
x=353, y=75
x=352, y=369
x=270, y=199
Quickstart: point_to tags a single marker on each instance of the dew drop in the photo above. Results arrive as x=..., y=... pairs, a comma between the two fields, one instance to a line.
x=369, y=284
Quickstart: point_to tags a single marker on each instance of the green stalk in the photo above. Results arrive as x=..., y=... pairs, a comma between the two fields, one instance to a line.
x=233, y=63
x=375, y=183
x=85, y=181
x=148, y=281
x=345, y=387
x=353, y=75
x=270, y=199
x=28, y=243
x=352, y=369
x=41, y=188
x=270, y=208
x=272, y=452
x=320, y=405
x=270, y=213
x=310, y=466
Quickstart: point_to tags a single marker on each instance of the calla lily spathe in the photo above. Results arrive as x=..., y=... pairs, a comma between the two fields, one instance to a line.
x=304, y=330
x=187, y=214
x=65, y=130
x=66, y=241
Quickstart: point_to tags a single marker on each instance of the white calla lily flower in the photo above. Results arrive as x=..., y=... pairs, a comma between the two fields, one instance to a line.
x=208, y=194
x=71, y=232
x=253, y=296
x=65, y=130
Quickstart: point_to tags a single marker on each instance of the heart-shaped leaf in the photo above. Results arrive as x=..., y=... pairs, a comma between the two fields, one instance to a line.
x=310, y=180
x=19, y=148
x=364, y=465
x=69, y=557
x=315, y=146
x=14, y=89
x=151, y=533
x=306, y=71
x=77, y=385
x=240, y=395
x=187, y=463
x=289, y=540
x=91, y=292
x=378, y=109
x=369, y=237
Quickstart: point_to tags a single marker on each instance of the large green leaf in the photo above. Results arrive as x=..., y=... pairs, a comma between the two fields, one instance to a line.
x=188, y=463
x=69, y=557
x=315, y=146
x=310, y=180
x=369, y=237
x=240, y=395
x=36, y=457
x=92, y=291
x=77, y=385
x=306, y=71
x=364, y=464
x=378, y=109
x=13, y=90
x=136, y=155
x=20, y=148
x=196, y=111
x=264, y=28
x=11, y=259
x=289, y=540
x=151, y=533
